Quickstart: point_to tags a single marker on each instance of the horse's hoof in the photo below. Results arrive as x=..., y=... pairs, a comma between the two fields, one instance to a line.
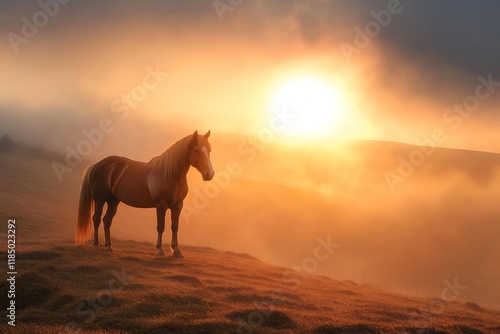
x=161, y=252
x=177, y=253
x=96, y=246
x=108, y=248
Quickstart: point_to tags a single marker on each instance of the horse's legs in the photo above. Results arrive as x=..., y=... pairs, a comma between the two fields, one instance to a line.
x=108, y=219
x=176, y=212
x=160, y=227
x=97, y=220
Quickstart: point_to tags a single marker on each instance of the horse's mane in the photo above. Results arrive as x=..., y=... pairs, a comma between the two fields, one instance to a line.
x=171, y=162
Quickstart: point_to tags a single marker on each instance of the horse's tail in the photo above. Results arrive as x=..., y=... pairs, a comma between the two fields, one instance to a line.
x=83, y=224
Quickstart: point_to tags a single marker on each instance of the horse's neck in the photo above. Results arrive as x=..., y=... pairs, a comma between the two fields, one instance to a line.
x=177, y=172
x=182, y=175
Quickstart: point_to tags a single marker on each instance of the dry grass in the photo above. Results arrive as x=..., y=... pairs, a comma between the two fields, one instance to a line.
x=208, y=291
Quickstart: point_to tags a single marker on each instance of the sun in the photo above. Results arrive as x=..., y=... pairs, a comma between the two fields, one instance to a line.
x=316, y=106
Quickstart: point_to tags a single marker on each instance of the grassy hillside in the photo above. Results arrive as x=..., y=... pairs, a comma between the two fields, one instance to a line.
x=132, y=290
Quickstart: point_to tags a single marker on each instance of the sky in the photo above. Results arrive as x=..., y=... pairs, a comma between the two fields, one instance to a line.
x=396, y=67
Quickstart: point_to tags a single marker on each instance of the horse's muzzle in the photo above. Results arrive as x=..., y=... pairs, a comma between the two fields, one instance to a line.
x=208, y=176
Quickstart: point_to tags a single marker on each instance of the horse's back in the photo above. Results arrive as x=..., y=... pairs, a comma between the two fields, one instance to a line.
x=110, y=168
x=122, y=177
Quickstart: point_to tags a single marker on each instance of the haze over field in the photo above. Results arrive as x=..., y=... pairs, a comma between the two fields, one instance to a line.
x=371, y=124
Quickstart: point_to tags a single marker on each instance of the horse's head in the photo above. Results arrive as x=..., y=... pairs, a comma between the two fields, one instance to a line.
x=199, y=155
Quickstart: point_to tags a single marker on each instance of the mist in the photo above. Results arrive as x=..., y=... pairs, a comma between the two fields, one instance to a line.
x=221, y=74
x=440, y=223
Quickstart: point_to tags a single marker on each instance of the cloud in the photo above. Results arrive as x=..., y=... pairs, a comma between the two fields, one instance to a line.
x=425, y=60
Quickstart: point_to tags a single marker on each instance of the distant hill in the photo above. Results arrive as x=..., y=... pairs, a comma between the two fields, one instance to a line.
x=8, y=145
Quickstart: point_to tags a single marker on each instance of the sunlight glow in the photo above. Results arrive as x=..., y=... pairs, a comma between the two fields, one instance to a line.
x=317, y=106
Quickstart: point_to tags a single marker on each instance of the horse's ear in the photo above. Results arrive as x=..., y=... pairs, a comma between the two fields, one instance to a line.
x=207, y=134
x=194, y=141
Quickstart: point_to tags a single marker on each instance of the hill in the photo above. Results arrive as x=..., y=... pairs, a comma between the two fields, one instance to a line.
x=132, y=290
x=8, y=145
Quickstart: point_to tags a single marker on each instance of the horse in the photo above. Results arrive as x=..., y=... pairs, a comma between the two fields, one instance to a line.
x=161, y=183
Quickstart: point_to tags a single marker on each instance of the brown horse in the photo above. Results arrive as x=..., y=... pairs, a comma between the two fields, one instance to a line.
x=161, y=183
